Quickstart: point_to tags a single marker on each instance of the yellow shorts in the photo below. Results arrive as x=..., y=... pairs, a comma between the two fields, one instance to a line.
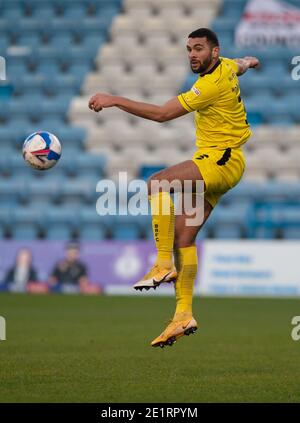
x=220, y=169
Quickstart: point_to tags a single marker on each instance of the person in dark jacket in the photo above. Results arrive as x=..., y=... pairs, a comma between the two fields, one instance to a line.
x=70, y=270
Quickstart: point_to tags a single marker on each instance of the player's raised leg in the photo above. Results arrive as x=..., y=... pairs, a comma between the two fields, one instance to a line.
x=186, y=261
x=163, y=220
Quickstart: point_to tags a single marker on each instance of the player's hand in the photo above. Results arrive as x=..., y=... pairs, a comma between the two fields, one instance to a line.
x=101, y=101
x=253, y=61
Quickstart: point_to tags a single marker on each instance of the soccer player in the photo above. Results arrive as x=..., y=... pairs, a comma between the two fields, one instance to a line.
x=221, y=130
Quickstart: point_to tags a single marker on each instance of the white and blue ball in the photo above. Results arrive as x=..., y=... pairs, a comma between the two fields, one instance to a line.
x=41, y=150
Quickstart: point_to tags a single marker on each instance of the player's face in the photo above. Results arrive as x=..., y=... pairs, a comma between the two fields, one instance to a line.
x=201, y=54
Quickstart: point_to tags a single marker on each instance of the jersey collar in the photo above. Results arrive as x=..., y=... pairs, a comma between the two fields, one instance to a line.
x=212, y=69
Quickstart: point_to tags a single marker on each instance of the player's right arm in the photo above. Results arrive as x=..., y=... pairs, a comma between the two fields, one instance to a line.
x=200, y=96
x=170, y=110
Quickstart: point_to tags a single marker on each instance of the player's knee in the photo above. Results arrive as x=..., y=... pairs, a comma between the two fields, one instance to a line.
x=153, y=181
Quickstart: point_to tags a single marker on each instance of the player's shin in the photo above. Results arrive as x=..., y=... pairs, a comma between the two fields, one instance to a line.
x=163, y=226
x=186, y=262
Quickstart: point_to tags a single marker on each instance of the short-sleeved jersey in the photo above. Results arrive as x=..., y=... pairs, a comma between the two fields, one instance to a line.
x=220, y=116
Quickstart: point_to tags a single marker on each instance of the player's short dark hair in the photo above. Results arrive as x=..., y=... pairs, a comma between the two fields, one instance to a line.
x=208, y=33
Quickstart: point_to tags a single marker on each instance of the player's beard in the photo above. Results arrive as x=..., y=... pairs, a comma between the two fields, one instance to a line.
x=204, y=65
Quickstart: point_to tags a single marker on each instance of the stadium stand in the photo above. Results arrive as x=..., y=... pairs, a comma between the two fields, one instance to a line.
x=86, y=45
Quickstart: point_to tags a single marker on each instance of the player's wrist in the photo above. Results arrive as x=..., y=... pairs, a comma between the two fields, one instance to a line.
x=118, y=101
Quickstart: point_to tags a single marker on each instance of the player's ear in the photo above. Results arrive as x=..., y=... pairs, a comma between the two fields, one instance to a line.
x=215, y=52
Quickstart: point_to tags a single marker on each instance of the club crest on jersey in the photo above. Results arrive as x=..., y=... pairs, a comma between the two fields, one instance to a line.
x=197, y=92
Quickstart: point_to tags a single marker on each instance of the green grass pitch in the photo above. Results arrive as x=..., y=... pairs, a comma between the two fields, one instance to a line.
x=96, y=349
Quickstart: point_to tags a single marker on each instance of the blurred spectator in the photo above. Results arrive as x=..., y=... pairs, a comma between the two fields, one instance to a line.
x=22, y=273
x=70, y=270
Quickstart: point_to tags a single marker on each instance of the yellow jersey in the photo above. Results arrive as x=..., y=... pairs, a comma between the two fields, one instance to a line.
x=220, y=116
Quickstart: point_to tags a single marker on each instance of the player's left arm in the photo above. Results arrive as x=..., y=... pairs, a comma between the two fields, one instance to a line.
x=246, y=63
x=170, y=110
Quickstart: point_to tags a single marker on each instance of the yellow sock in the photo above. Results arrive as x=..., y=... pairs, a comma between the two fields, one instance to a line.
x=186, y=261
x=163, y=226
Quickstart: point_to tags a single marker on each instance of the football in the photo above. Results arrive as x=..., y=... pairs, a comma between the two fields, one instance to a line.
x=41, y=150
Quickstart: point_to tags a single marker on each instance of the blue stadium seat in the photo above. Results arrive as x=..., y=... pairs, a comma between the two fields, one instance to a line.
x=66, y=84
x=20, y=128
x=75, y=11
x=125, y=232
x=280, y=119
x=13, y=11
x=76, y=191
x=102, y=3
x=244, y=192
x=225, y=24
x=92, y=226
x=26, y=223
x=52, y=124
x=291, y=103
x=126, y=227
x=91, y=164
x=236, y=7
x=29, y=83
x=59, y=232
x=4, y=165
x=93, y=25
x=30, y=40
x=62, y=41
x=5, y=215
x=49, y=68
x=31, y=106
x=2, y=230
x=92, y=41
x=25, y=232
x=43, y=190
x=276, y=69
x=88, y=215
x=15, y=68
x=10, y=190
x=92, y=232
x=78, y=54
x=4, y=112
x=250, y=83
x=227, y=231
x=107, y=12
x=6, y=148
x=44, y=12
x=60, y=25
x=52, y=106
x=260, y=102
x=4, y=43
x=79, y=70
x=233, y=213
x=60, y=222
